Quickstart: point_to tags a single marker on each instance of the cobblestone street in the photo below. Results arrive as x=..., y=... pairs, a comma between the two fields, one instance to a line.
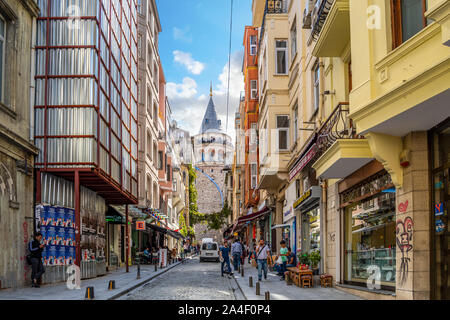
x=190, y=281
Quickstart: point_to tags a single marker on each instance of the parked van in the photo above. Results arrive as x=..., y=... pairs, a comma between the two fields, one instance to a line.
x=209, y=250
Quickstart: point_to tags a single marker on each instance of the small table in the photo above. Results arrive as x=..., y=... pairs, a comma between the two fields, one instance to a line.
x=296, y=271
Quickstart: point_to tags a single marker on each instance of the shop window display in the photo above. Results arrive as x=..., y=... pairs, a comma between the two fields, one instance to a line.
x=370, y=240
x=311, y=231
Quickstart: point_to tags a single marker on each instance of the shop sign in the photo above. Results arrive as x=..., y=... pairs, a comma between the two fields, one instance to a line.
x=288, y=211
x=115, y=219
x=307, y=197
x=439, y=209
x=140, y=225
x=302, y=199
x=303, y=162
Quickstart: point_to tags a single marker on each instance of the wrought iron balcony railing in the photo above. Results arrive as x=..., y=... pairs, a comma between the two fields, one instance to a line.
x=319, y=16
x=337, y=126
x=272, y=7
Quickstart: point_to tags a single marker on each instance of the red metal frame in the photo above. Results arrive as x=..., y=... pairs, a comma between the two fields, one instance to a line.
x=100, y=181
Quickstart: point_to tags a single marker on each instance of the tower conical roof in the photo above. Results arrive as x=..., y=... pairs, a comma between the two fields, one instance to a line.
x=210, y=121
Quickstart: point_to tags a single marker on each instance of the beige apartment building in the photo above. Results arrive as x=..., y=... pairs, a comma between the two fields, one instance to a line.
x=149, y=124
x=364, y=177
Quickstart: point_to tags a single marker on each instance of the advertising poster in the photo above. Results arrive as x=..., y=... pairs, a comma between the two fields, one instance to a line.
x=70, y=218
x=60, y=255
x=60, y=217
x=52, y=252
x=58, y=233
x=163, y=258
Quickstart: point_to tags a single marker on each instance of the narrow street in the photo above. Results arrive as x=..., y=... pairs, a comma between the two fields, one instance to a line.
x=190, y=281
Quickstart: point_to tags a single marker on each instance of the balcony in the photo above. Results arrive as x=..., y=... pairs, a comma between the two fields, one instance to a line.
x=272, y=7
x=340, y=151
x=330, y=27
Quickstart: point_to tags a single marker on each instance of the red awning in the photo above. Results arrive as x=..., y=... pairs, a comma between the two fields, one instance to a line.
x=251, y=217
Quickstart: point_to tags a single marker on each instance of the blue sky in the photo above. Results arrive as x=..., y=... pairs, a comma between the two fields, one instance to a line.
x=194, y=51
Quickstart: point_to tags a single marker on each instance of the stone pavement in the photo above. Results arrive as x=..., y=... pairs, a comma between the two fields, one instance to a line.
x=125, y=282
x=279, y=290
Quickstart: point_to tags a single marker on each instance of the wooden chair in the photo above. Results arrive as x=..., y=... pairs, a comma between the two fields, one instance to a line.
x=306, y=281
x=326, y=280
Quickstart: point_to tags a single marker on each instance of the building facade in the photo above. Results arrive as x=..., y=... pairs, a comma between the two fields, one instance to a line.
x=17, y=151
x=362, y=180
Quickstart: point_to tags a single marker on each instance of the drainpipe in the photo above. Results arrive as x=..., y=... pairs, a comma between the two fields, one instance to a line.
x=32, y=79
x=324, y=231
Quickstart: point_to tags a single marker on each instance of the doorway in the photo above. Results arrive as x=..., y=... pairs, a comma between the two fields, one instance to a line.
x=440, y=177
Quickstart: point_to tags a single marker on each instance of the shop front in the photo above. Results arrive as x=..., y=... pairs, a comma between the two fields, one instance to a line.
x=440, y=197
x=368, y=218
x=307, y=210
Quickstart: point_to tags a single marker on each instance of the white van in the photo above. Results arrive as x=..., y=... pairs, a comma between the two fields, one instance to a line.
x=209, y=250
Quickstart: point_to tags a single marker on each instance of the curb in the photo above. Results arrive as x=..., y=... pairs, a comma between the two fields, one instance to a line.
x=124, y=292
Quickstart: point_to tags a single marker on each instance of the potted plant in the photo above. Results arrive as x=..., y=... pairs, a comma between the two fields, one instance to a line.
x=315, y=259
x=304, y=259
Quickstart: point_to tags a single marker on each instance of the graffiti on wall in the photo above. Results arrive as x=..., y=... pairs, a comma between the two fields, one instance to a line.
x=404, y=232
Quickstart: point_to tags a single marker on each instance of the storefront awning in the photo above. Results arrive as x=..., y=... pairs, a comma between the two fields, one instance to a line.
x=248, y=218
x=174, y=234
x=157, y=229
x=281, y=226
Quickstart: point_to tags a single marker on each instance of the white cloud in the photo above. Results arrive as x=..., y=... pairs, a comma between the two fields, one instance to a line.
x=189, y=108
x=185, y=90
x=186, y=60
x=182, y=34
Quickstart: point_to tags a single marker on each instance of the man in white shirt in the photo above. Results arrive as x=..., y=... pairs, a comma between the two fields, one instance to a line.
x=262, y=252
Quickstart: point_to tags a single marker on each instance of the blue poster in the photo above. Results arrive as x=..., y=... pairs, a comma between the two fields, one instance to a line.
x=60, y=255
x=50, y=216
x=70, y=237
x=60, y=217
x=45, y=255
x=70, y=218
x=52, y=256
x=440, y=226
x=70, y=256
x=60, y=236
x=439, y=209
x=51, y=236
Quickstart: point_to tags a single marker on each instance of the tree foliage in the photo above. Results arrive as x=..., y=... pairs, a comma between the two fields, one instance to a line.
x=214, y=221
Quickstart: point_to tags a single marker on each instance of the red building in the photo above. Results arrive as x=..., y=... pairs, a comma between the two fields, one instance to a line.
x=250, y=118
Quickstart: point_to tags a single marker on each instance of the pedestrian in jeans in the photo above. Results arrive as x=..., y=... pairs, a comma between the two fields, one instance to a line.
x=262, y=252
x=284, y=258
x=224, y=252
x=38, y=270
x=236, y=253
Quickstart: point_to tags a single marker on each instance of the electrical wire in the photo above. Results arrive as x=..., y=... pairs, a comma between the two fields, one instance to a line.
x=229, y=74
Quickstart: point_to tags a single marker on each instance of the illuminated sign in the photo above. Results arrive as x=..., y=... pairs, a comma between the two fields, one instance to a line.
x=302, y=199
x=140, y=225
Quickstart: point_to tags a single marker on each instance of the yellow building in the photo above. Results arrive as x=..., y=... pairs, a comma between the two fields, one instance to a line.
x=274, y=113
x=383, y=149
x=363, y=177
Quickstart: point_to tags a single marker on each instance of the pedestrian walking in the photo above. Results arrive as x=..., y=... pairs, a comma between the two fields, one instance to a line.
x=38, y=269
x=236, y=253
x=252, y=254
x=262, y=252
x=224, y=252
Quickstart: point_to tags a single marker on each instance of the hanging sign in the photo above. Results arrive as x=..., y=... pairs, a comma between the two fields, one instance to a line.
x=303, y=162
x=440, y=226
x=439, y=209
x=140, y=225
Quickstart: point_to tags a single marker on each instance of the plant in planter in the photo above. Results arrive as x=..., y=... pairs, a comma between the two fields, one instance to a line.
x=315, y=258
x=304, y=259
